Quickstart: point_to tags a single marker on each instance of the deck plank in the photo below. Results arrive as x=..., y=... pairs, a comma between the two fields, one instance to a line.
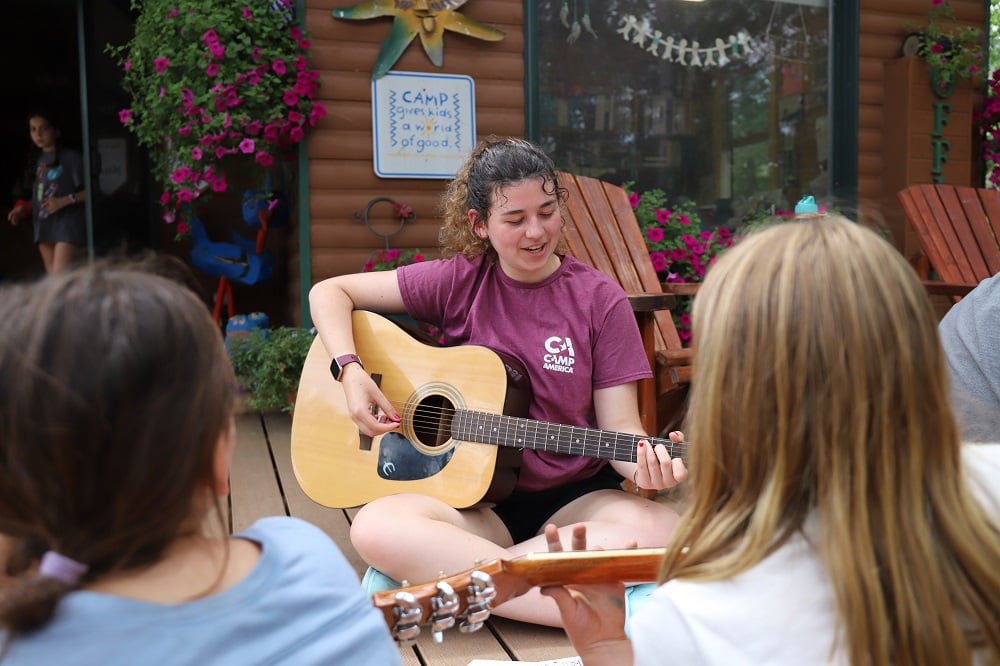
x=530, y=642
x=254, y=489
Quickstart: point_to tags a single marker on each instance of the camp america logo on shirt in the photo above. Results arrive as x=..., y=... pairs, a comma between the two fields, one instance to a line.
x=559, y=355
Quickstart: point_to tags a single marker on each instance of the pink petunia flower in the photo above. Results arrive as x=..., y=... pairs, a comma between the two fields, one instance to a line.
x=125, y=116
x=304, y=44
x=212, y=69
x=654, y=234
x=182, y=228
x=247, y=146
x=418, y=258
x=180, y=175
x=633, y=199
x=127, y=65
x=161, y=65
x=659, y=261
x=290, y=98
x=663, y=215
x=247, y=14
x=278, y=66
x=295, y=32
x=196, y=153
x=165, y=198
x=172, y=13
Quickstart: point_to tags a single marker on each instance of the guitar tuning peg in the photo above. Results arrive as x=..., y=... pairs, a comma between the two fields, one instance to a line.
x=408, y=614
x=482, y=592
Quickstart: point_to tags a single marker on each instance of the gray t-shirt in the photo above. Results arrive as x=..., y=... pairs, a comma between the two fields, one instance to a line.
x=970, y=334
x=59, y=174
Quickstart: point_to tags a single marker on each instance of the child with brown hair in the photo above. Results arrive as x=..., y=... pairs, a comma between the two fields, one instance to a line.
x=116, y=432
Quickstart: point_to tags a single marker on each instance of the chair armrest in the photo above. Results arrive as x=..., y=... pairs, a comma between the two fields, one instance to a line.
x=938, y=288
x=680, y=288
x=651, y=302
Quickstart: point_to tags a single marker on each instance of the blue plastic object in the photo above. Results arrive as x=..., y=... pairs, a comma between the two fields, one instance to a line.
x=806, y=206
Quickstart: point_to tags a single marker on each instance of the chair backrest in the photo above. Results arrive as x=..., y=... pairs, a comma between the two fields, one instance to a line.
x=602, y=231
x=957, y=229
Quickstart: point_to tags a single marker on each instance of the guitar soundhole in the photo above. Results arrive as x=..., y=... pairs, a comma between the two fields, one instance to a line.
x=432, y=420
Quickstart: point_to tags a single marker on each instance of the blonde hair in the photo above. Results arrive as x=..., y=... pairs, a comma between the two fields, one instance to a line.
x=820, y=388
x=493, y=164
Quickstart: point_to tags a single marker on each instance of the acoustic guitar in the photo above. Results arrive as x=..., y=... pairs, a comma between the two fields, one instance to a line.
x=466, y=600
x=461, y=432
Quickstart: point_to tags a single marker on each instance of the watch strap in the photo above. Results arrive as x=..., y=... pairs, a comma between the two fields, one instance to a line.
x=338, y=363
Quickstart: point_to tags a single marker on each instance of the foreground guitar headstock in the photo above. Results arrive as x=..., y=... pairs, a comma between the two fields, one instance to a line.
x=466, y=600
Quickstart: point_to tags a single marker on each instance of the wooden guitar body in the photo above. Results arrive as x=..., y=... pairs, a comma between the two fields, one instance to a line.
x=339, y=467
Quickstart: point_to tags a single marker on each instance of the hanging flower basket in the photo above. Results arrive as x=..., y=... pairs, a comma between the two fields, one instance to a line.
x=212, y=84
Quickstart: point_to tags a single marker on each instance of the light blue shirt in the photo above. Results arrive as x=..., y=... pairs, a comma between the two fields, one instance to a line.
x=301, y=604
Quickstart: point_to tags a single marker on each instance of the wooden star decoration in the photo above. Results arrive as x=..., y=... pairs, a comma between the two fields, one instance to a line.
x=427, y=18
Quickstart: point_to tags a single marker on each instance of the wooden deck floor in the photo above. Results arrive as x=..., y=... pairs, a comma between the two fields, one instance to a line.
x=263, y=485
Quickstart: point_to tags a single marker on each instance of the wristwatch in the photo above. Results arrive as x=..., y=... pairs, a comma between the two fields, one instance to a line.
x=338, y=363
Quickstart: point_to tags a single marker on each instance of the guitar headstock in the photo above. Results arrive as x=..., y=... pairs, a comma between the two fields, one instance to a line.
x=466, y=600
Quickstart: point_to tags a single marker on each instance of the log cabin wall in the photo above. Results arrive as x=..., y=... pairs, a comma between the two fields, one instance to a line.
x=882, y=32
x=341, y=176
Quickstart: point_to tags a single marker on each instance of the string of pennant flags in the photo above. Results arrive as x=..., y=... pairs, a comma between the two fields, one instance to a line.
x=689, y=53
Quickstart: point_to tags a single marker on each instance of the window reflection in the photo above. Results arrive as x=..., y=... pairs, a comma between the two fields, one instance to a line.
x=723, y=102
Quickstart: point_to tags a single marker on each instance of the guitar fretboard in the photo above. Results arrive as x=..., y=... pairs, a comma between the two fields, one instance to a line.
x=521, y=433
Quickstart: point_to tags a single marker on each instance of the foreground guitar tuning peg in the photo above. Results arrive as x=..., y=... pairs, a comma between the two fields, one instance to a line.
x=408, y=614
x=444, y=606
x=482, y=592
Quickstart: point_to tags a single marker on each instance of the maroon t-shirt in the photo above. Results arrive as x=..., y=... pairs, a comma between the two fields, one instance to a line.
x=573, y=332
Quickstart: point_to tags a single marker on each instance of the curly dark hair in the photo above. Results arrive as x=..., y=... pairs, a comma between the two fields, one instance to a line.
x=494, y=163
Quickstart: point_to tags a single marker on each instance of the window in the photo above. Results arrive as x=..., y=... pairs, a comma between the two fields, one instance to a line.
x=723, y=102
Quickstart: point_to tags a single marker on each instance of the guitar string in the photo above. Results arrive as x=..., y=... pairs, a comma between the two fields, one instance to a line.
x=428, y=419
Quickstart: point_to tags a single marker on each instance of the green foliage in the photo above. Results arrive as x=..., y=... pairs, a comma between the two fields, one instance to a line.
x=213, y=82
x=268, y=364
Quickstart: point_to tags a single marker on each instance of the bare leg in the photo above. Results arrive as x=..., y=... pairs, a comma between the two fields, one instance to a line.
x=48, y=251
x=417, y=538
x=63, y=256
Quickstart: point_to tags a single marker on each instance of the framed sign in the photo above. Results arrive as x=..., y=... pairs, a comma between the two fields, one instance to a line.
x=424, y=125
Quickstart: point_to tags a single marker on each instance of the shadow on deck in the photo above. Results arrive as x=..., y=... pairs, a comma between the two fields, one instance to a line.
x=263, y=484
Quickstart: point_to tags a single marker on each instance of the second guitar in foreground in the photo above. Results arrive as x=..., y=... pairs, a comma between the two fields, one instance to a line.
x=459, y=439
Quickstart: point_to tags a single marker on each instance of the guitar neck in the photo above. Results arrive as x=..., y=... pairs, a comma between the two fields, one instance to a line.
x=521, y=433
x=583, y=567
x=467, y=599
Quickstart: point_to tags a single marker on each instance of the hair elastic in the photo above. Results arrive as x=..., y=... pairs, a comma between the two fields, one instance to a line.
x=61, y=568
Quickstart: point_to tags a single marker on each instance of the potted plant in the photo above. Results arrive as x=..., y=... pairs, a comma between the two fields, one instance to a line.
x=952, y=51
x=268, y=363
x=215, y=85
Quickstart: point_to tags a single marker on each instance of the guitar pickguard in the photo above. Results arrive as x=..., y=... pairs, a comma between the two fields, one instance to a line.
x=399, y=460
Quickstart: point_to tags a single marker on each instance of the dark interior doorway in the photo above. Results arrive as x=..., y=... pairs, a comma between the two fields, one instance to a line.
x=39, y=40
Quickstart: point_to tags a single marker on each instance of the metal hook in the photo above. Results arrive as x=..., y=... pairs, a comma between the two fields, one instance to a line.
x=403, y=219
